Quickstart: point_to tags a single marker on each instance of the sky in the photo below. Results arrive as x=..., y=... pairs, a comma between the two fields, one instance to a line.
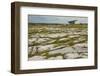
x=55, y=19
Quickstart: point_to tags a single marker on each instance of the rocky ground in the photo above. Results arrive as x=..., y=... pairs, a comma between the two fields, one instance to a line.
x=70, y=43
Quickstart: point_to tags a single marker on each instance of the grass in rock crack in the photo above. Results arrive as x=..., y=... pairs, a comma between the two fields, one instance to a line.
x=68, y=40
x=47, y=55
x=45, y=52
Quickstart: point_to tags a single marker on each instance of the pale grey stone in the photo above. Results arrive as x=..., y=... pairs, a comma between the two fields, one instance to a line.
x=52, y=58
x=59, y=57
x=63, y=50
x=37, y=58
x=56, y=58
x=71, y=55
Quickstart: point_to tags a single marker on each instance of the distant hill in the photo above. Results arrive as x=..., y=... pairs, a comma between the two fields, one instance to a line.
x=57, y=25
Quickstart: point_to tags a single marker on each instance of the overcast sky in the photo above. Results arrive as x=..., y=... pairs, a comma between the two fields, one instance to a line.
x=55, y=19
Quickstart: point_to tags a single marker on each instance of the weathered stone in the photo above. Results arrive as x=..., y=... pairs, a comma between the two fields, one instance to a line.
x=71, y=55
x=55, y=58
x=37, y=58
x=52, y=58
x=62, y=51
x=81, y=47
x=59, y=57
